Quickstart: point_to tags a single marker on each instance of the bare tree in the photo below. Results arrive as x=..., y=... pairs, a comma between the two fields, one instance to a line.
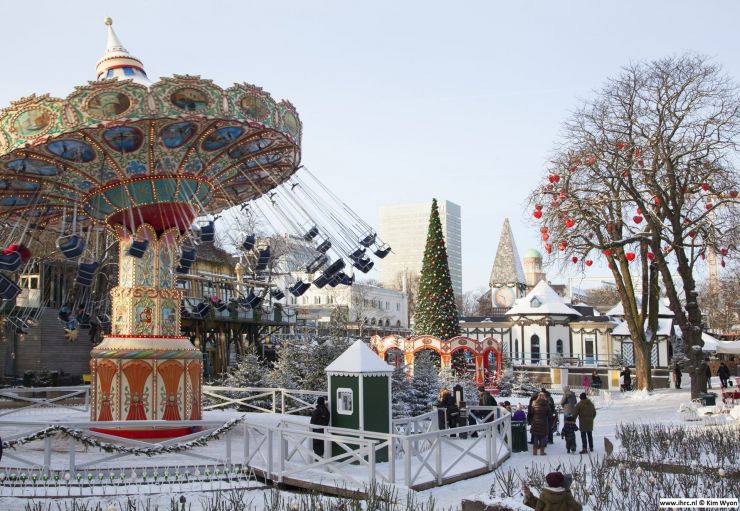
x=604, y=296
x=721, y=305
x=412, y=290
x=646, y=174
x=471, y=301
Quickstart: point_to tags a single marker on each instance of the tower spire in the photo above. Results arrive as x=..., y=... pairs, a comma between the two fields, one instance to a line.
x=118, y=62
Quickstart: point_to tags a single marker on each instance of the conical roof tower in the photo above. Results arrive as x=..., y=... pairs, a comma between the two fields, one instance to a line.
x=507, y=267
x=118, y=62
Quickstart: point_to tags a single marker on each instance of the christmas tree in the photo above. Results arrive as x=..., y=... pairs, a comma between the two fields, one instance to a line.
x=436, y=313
x=402, y=393
x=425, y=384
x=249, y=371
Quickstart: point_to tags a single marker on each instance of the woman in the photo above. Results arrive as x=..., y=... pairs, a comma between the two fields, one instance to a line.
x=586, y=383
x=626, y=379
x=448, y=417
x=595, y=380
x=540, y=424
x=554, y=496
x=320, y=417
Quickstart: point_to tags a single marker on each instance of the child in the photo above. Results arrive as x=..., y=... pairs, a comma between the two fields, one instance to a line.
x=569, y=432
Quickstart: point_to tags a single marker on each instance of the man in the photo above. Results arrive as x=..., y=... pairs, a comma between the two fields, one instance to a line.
x=320, y=417
x=677, y=374
x=585, y=412
x=724, y=374
x=708, y=375
x=569, y=400
x=550, y=418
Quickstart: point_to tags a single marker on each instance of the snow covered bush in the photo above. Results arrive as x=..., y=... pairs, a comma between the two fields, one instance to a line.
x=402, y=393
x=425, y=384
x=248, y=372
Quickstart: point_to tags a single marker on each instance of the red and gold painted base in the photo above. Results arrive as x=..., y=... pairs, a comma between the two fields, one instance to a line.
x=145, y=378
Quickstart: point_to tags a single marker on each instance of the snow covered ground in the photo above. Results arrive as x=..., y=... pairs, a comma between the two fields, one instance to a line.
x=660, y=407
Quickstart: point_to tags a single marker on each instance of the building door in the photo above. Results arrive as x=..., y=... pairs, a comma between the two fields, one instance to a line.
x=589, y=350
x=535, y=342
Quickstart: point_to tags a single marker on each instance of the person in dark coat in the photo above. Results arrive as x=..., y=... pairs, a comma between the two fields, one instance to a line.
x=677, y=373
x=551, y=419
x=708, y=375
x=540, y=423
x=724, y=374
x=555, y=496
x=319, y=417
x=627, y=379
x=486, y=399
x=585, y=412
x=595, y=380
x=569, y=433
x=448, y=417
x=530, y=414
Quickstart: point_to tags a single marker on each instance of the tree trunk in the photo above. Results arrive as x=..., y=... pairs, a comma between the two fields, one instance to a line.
x=643, y=365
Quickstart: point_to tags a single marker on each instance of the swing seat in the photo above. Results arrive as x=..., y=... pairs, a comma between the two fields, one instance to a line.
x=137, y=248
x=249, y=241
x=201, y=310
x=10, y=261
x=368, y=240
x=86, y=273
x=335, y=268
x=207, y=232
x=335, y=280
x=277, y=294
x=184, y=312
x=316, y=264
x=182, y=270
x=263, y=257
x=364, y=264
x=71, y=246
x=21, y=250
x=84, y=321
x=311, y=233
x=324, y=247
x=252, y=301
x=299, y=288
x=221, y=306
x=357, y=254
x=8, y=289
x=187, y=258
x=346, y=280
x=382, y=252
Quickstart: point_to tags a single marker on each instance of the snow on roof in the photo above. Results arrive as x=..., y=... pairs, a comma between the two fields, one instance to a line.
x=542, y=300
x=618, y=309
x=359, y=359
x=714, y=344
x=665, y=328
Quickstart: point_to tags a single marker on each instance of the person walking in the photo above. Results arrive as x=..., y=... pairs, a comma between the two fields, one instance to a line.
x=724, y=374
x=486, y=399
x=708, y=374
x=595, y=380
x=626, y=379
x=555, y=496
x=585, y=412
x=530, y=415
x=448, y=412
x=551, y=418
x=677, y=373
x=319, y=417
x=540, y=424
x=586, y=384
x=569, y=400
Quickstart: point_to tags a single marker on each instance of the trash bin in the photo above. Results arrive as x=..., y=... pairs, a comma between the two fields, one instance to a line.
x=519, y=436
x=708, y=399
x=28, y=377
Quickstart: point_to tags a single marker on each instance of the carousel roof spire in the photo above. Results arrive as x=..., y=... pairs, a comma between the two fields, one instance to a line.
x=118, y=62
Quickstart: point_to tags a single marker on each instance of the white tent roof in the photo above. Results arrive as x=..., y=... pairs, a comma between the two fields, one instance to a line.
x=714, y=344
x=359, y=359
x=665, y=328
x=618, y=309
x=542, y=300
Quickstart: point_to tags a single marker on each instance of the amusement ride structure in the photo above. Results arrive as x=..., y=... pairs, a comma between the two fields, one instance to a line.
x=153, y=164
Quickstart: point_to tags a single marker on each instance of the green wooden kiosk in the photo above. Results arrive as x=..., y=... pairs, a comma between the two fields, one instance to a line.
x=360, y=392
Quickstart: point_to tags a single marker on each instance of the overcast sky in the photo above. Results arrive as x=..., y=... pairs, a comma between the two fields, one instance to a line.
x=401, y=100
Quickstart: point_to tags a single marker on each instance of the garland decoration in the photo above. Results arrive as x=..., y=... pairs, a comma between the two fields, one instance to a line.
x=113, y=448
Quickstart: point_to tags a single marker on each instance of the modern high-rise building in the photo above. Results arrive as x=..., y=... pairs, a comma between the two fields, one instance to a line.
x=404, y=227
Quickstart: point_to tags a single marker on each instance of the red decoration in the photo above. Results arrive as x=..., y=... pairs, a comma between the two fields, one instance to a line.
x=630, y=256
x=550, y=187
x=569, y=223
x=537, y=214
x=554, y=204
x=733, y=194
x=574, y=259
x=607, y=252
x=641, y=163
x=637, y=219
x=562, y=194
x=548, y=248
x=589, y=262
x=705, y=186
x=650, y=256
x=692, y=233
x=562, y=245
x=656, y=199
x=620, y=145
x=639, y=211
x=544, y=228
x=545, y=236
x=722, y=263
x=538, y=207
x=723, y=251
x=709, y=206
x=590, y=160
x=638, y=152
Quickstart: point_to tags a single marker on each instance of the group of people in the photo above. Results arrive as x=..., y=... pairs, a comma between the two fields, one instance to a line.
x=449, y=414
x=723, y=372
x=543, y=419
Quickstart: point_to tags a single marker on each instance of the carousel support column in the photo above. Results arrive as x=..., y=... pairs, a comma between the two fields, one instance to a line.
x=446, y=361
x=479, y=366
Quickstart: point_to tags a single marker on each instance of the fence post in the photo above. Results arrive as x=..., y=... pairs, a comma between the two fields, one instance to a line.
x=392, y=458
x=282, y=401
x=407, y=461
x=489, y=434
x=494, y=451
x=371, y=462
x=87, y=399
x=270, y=470
x=47, y=453
x=72, y=456
x=246, y=443
x=228, y=449
x=281, y=455
x=438, y=456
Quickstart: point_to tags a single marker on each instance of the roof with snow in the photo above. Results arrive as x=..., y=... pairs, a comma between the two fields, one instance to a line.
x=713, y=344
x=663, y=309
x=665, y=328
x=359, y=359
x=542, y=300
x=507, y=268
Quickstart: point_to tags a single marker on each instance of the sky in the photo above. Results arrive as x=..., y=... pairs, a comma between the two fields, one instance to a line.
x=400, y=101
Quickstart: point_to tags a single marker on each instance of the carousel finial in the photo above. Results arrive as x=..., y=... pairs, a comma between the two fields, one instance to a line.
x=118, y=62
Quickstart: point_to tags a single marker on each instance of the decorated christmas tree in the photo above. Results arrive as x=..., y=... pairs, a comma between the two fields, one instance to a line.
x=436, y=313
x=402, y=392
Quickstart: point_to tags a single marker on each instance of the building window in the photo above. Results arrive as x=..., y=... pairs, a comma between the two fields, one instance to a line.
x=317, y=300
x=535, y=343
x=516, y=348
x=398, y=323
x=559, y=346
x=344, y=401
x=398, y=307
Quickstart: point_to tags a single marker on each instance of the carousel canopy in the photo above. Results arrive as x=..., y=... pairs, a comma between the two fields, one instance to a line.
x=123, y=149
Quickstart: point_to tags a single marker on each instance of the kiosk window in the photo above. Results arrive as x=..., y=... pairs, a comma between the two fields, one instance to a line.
x=344, y=401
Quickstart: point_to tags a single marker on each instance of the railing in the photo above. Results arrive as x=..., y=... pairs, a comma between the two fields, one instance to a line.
x=573, y=360
x=24, y=398
x=260, y=399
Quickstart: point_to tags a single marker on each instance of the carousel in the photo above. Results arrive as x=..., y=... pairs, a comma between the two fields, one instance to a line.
x=151, y=165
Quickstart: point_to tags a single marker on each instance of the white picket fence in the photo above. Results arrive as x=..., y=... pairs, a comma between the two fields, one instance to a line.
x=418, y=454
